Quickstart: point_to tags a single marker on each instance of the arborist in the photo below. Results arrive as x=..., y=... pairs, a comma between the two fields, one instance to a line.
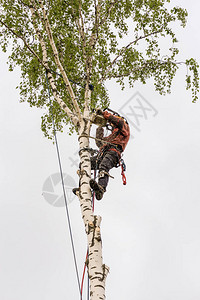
x=111, y=148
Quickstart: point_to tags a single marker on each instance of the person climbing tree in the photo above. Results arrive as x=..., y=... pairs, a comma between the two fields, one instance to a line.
x=111, y=148
x=71, y=45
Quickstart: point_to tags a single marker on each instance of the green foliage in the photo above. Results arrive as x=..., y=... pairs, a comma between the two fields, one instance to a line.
x=194, y=84
x=95, y=54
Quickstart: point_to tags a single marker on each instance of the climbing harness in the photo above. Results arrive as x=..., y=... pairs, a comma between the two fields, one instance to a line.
x=113, y=148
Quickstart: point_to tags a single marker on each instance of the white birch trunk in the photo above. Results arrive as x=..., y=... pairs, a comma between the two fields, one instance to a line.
x=96, y=269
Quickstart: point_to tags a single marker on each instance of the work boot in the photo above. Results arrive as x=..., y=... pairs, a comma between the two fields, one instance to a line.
x=75, y=191
x=97, y=188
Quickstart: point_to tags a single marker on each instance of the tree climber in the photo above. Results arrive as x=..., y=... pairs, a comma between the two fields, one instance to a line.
x=110, y=151
x=111, y=148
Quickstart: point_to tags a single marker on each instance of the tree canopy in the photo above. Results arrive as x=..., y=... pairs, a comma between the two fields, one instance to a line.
x=90, y=41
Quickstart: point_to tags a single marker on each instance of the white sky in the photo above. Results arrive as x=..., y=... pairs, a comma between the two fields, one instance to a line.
x=150, y=228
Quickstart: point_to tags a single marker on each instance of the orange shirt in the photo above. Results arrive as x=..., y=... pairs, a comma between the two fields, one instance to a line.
x=121, y=132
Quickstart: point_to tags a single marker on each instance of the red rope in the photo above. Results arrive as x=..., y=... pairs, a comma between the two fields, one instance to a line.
x=83, y=275
x=123, y=178
x=123, y=174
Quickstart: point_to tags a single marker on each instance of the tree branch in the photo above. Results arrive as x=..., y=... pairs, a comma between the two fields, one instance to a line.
x=81, y=24
x=80, y=28
x=104, y=77
x=25, y=42
x=55, y=51
x=108, y=11
x=25, y=4
x=159, y=63
x=94, y=35
x=62, y=104
x=92, y=41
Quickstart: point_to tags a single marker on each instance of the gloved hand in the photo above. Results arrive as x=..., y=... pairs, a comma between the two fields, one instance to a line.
x=106, y=114
x=99, y=112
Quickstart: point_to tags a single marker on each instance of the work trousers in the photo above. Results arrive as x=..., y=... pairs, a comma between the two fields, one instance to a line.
x=104, y=162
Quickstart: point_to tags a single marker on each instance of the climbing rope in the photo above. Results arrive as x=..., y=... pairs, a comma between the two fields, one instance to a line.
x=63, y=186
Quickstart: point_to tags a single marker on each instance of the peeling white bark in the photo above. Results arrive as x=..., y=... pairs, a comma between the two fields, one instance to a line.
x=96, y=269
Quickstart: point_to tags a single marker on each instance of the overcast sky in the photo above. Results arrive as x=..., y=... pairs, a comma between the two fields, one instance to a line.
x=150, y=227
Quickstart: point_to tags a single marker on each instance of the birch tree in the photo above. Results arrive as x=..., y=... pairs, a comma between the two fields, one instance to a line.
x=83, y=41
